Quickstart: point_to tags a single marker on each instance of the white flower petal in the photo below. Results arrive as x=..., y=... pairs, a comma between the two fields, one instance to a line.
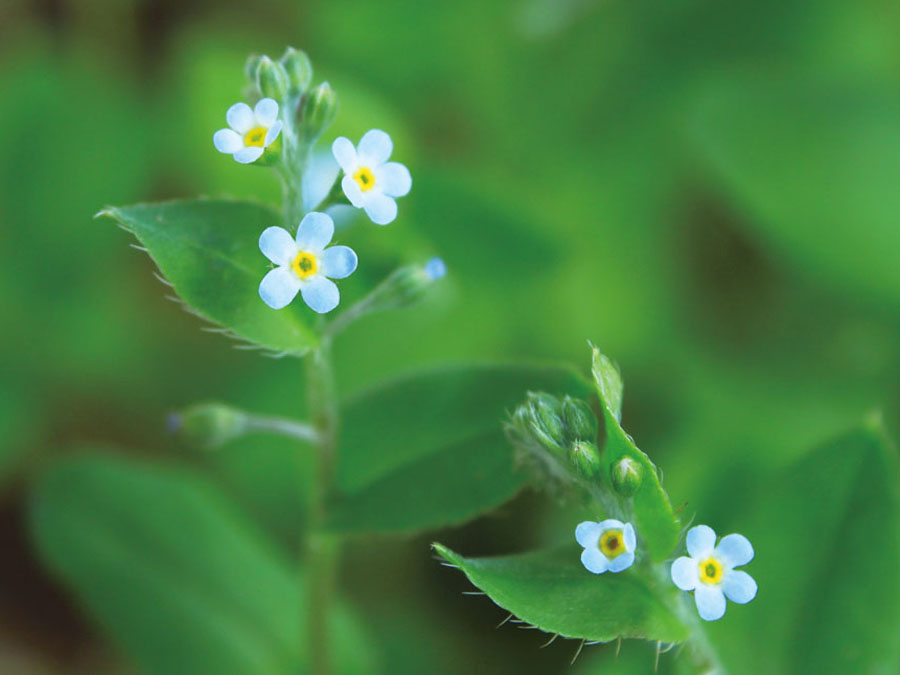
x=315, y=231
x=339, y=262
x=381, y=209
x=587, y=534
x=266, y=112
x=272, y=133
x=710, y=602
x=630, y=539
x=701, y=540
x=739, y=587
x=344, y=153
x=240, y=118
x=354, y=194
x=375, y=147
x=594, y=561
x=277, y=244
x=735, y=550
x=228, y=141
x=248, y=155
x=393, y=178
x=611, y=523
x=279, y=287
x=685, y=573
x=621, y=562
x=320, y=294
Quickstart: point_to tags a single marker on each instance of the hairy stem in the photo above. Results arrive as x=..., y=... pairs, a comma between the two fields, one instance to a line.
x=282, y=427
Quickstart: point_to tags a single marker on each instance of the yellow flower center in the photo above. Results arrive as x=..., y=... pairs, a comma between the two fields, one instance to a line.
x=611, y=543
x=256, y=137
x=710, y=571
x=305, y=265
x=364, y=178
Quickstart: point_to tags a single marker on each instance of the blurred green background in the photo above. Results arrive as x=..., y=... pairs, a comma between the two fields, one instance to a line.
x=707, y=190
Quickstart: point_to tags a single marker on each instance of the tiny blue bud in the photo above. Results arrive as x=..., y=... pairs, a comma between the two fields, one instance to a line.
x=435, y=269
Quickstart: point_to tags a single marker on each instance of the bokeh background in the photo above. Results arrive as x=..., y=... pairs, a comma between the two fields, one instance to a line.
x=707, y=190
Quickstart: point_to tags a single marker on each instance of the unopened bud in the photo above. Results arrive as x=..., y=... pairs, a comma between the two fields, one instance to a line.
x=580, y=419
x=546, y=423
x=298, y=69
x=626, y=476
x=317, y=111
x=406, y=285
x=271, y=80
x=585, y=457
x=209, y=424
x=251, y=66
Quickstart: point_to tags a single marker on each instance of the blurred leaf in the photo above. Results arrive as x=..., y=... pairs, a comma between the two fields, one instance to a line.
x=815, y=167
x=176, y=576
x=18, y=426
x=827, y=540
x=552, y=590
x=427, y=450
x=208, y=250
x=657, y=523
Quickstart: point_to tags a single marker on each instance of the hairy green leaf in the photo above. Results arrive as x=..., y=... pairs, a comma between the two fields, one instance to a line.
x=209, y=251
x=427, y=450
x=552, y=590
x=172, y=572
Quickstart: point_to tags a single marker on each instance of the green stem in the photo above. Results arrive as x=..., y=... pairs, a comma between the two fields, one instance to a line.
x=282, y=426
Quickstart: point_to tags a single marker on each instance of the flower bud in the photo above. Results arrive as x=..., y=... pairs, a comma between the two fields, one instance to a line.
x=626, y=476
x=405, y=286
x=317, y=111
x=585, y=457
x=251, y=66
x=545, y=421
x=209, y=425
x=271, y=80
x=580, y=419
x=298, y=69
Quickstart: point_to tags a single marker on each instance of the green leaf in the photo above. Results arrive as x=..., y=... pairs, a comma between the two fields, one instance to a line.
x=827, y=541
x=209, y=251
x=178, y=578
x=427, y=450
x=656, y=522
x=552, y=590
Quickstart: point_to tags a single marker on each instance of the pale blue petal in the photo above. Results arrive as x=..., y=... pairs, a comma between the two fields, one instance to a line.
x=345, y=154
x=393, y=179
x=227, y=141
x=735, y=550
x=587, y=534
x=621, y=562
x=628, y=536
x=685, y=573
x=279, y=287
x=278, y=245
x=320, y=294
x=266, y=112
x=739, y=587
x=354, y=194
x=374, y=148
x=338, y=262
x=594, y=561
x=248, y=155
x=701, y=541
x=380, y=208
x=240, y=118
x=710, y=602
x=611, y=523
x=315, y=231
x=272, y=133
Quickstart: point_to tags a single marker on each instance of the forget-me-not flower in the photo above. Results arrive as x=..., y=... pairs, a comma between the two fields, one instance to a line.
x=252, y=130
x=304, y=264
x=708, y=570
x=608, y=545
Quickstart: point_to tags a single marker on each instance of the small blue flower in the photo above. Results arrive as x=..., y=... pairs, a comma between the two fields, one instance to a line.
x=252, y=130
x=608, y=545
x=435, y=269
x=304, y=264
x=710, y=573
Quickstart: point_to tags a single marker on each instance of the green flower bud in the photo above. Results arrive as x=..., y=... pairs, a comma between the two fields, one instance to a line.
x=626, y=476
x=209, y=425
x=317, y=111
x=580, y=419
x=546, y=423
x=251, y=66
x=271, y=80
x=299, y=70
x=585, y=457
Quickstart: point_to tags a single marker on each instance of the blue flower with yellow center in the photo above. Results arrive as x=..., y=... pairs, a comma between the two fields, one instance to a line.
x=608, y=545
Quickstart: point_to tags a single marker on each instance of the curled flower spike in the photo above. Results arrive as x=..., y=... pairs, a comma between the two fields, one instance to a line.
x=370, y=181
x=304, y=264
x=608, y=545
x=251, y=132
x=710, y=573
